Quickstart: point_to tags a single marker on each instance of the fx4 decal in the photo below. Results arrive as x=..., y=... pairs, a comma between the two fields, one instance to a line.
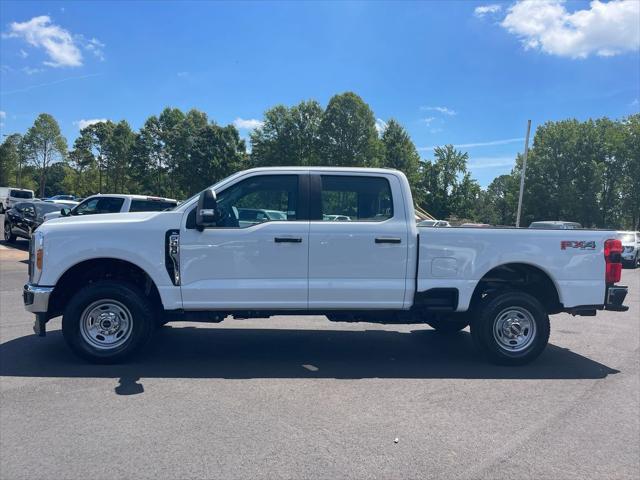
x=581, y=244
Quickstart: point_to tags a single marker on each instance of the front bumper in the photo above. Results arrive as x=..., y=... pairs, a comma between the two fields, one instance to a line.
x=36, y=298
x=615, y=296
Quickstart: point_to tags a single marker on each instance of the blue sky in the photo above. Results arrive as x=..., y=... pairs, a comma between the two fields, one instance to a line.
x=461, y=72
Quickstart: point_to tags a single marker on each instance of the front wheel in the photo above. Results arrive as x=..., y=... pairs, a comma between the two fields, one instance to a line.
x=511, y=328
x=107, y=321
x=8, y=234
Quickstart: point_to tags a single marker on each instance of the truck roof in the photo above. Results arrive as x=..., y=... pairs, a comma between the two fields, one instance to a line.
x=133, y=197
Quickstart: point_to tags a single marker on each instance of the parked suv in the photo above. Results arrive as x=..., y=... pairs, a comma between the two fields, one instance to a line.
x=631, y=249
x=97, y=204
x=9, y=196
x=24, y=217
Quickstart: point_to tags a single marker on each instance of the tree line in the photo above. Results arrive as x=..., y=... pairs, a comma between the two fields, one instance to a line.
x=580, y=171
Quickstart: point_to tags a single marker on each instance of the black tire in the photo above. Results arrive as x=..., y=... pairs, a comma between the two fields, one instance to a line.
x=2, y=210
x=448, y=325
x=8, y=236
x=524, y=309
x=136, y=305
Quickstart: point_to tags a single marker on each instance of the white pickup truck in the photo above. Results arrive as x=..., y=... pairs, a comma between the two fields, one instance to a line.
x=116, y=277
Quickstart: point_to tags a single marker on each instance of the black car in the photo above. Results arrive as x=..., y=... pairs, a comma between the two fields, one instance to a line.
x=24, y=218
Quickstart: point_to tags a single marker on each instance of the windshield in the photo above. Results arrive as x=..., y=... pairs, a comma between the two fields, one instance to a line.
x=20, y=194
x=43, y=208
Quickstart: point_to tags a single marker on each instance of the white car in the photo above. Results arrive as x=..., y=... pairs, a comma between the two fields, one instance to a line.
x=114, y=203
x=9, y=196
x=631, y=245
x=115, y=278
x=434, y=223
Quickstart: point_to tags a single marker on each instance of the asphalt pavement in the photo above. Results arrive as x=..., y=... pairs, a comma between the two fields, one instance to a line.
x=301, y=397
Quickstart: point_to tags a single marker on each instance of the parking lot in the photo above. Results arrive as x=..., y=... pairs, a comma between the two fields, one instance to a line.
x=294, y=397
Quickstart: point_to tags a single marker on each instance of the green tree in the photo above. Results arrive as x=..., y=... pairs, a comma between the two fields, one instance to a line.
x=43, y=144
x=400, y=153
x=445, y=183
x=289, y=136
x=10, y=160
x=348, y=135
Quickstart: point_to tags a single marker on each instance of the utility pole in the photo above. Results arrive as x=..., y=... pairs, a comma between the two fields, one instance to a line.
x=524, y=171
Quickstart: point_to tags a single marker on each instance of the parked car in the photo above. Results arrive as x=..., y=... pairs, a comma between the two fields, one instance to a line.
x=67, y=198
x=336, y=218
x=115, y=278
x=555, y=225
x=476, y=225
x=23, y=219
x=631, y=249
x=253, y=216
x=111, y=203
x=9, y=196
x=434, y=223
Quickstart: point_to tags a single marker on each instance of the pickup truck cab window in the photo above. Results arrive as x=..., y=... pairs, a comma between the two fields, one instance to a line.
x=99, y=205
x=355, y=199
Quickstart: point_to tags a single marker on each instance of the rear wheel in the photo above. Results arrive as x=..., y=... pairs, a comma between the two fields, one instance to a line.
x=448, y=325
x=8, y=235
x=107, y=321
x=511, y=328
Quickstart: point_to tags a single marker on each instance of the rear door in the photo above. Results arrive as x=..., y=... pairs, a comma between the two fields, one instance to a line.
x=358, y=242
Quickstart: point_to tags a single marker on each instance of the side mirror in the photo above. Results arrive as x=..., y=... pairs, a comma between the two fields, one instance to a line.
x=207, y=211
x=65, y=212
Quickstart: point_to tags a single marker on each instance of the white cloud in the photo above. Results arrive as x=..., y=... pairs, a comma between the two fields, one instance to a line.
x=381, y=126
x=183, y=74
x=479, y=144
x=57, y=42
x=31, y=71
x=247, y=124
x=635, y=103
x=428, y=120
x=85, y=123
x=487, y=9
x=605, y=29
x=443, y=110
x=94, y=46
x=23, y=54
x=3, y=114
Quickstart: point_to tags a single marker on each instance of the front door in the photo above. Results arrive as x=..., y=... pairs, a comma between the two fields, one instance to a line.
x=257, y=255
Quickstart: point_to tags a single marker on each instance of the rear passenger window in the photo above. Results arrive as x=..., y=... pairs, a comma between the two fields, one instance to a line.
x=356, y=199
x=150, y=205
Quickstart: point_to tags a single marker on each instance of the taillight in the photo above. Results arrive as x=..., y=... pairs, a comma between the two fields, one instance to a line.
x=612, y=258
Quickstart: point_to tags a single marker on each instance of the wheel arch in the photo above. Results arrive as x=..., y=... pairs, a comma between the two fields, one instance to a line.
x=103, y=268
x=520, y=276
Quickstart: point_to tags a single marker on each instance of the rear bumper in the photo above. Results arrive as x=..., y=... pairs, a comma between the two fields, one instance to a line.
x=615, y=297
x=36, y=298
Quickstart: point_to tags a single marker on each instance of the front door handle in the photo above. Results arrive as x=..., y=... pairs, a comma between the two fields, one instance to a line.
x=288, y=240
x=388, y=240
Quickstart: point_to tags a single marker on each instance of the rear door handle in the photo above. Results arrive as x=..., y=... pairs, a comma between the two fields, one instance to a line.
x=388, y=240
x=288, y=240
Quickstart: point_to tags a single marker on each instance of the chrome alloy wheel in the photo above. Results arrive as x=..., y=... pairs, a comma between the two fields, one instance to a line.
x=514, y=329
x=106, y=324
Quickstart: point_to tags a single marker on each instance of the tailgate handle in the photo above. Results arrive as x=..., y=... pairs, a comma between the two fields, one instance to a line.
x=388, y=240
x=288, y=240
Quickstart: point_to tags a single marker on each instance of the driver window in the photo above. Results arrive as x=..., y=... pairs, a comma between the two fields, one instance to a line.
x=88, y=207
x=259, y=199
